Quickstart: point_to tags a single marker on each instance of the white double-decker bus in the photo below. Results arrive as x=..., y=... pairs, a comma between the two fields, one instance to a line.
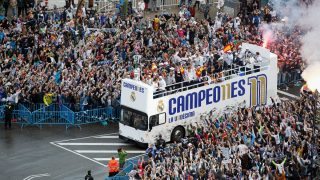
x=145, y=115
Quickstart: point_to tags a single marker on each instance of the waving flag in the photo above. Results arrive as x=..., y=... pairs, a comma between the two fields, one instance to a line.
x=228, y=47
x=47, y=99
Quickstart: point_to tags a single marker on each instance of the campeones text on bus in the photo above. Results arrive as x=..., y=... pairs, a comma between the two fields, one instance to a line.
x=257, y=86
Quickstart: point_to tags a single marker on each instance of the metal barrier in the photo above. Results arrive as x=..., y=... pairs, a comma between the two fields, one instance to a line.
x=53, y=115
x=105, y=5
x=167, y=3
x=1, y=112
x=286, y=78
x=95, y=115
x=59, y=114
x=21, y=115
x=34, y=106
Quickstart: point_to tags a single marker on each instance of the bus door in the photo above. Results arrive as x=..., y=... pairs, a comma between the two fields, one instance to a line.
x=157, y=126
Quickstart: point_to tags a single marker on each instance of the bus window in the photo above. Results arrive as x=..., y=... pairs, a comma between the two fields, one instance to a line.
x=156, y=120
x=162, y=118
x=134, y=119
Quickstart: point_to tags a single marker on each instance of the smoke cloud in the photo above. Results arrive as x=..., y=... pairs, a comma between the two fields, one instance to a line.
x=311, y=44
x=306, y=15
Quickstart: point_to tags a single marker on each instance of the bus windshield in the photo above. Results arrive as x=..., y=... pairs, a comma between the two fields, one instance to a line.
x=134, y=119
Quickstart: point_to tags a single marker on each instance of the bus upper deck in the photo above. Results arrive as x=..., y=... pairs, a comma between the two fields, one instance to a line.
x=229, y=74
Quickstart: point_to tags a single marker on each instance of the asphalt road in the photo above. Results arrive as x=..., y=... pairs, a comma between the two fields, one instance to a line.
x=30, y=151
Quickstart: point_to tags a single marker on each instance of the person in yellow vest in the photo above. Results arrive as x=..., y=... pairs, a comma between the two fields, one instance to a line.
x=156, y=23
x=113, y=167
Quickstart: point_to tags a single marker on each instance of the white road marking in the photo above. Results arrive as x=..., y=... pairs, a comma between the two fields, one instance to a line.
x=85, y=137
x=104, y=159
x=62, y=143
x=79, y=154
x=94, y=144
x=108, y=151
x=107, y=137
x=36, y=176
x=288, y=94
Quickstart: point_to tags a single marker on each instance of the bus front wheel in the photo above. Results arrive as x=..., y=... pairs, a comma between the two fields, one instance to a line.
x=177, y=134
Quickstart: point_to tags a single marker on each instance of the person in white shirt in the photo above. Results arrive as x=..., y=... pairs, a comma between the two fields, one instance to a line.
x=149, y=80
x=228, y=62
x=246, y=54
x=170, y=78
x=257, y=62
x=218, y=23
x=155, y=84
x=198, y=60
x=176, y=58
x=190, y=74
x=288, y=131
x=243, y=149
x=236, y=23
x=162, y=83
x=229, y=59
x=248, y=61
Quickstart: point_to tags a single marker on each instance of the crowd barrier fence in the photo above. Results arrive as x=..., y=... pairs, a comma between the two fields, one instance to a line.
x=2, y=111
x=58, y=114
x=287, y=78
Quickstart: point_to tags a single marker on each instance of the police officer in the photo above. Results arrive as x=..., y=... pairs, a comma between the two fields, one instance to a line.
x=8, y=116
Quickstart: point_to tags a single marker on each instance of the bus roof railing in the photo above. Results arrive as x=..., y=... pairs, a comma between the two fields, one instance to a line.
x=176, y=84
x=203, y=81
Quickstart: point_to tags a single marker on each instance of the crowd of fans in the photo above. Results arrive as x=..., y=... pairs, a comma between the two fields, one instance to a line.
x=267, y=142
x=290, y=63
x=82, y=61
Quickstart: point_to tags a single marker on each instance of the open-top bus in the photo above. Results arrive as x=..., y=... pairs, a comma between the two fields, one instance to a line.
x=146, y=114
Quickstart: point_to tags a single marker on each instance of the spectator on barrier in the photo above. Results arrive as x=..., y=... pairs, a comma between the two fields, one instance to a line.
x=113, y=166
x=122, y=157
